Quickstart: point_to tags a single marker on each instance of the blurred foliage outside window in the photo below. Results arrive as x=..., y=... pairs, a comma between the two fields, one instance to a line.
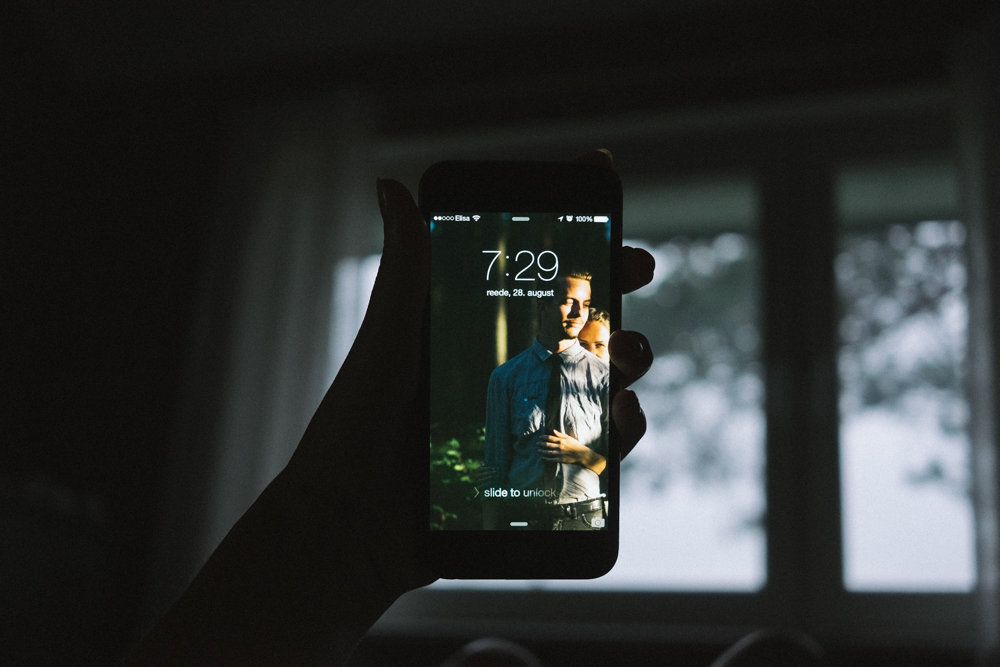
x=904, y=417
x=904, y=414
x=692, y=492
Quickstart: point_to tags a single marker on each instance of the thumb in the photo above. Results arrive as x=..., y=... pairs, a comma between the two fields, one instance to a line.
x=382, y=369
x=388, y=342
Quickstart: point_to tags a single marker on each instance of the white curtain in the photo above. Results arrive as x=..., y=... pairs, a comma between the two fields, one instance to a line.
x=296, y=210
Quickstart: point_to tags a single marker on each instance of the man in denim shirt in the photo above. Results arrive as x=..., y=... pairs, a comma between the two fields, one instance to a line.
x=549, y=458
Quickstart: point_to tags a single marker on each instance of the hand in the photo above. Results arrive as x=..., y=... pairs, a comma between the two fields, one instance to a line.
x=631, y=355
x=362, y=455
x=561, y=447
x=332, y=541
x=485, y=475
x=630, y=352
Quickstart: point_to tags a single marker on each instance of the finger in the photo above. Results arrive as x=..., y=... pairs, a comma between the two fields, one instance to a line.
x=637, y=264
x=637, y=268
x=631, y=354
x=628, y=419
x=389, y=342
x=400, y=292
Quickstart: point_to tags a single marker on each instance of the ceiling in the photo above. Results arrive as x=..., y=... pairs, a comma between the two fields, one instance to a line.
x=103, y=41
x=124, y=43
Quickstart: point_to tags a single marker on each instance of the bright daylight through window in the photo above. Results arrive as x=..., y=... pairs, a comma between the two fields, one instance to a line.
x=901, y=278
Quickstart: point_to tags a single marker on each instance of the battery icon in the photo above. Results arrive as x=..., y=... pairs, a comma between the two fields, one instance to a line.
x=600, y=218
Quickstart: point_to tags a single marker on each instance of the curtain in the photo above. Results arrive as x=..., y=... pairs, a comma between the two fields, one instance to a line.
x=296, y=210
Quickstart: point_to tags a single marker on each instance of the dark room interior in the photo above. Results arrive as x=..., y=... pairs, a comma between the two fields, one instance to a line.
x=190, y=218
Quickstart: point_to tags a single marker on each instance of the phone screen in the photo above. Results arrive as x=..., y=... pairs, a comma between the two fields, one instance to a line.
x=521, y=310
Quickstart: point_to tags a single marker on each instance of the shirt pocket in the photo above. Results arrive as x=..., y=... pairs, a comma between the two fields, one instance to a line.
x=528, y=408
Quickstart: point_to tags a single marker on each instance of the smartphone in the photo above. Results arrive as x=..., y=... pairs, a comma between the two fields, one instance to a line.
x=523, y=461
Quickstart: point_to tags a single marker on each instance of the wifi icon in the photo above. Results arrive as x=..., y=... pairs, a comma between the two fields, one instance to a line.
x=476, y=218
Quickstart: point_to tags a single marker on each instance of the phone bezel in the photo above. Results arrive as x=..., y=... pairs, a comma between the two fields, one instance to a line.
x=521, y=187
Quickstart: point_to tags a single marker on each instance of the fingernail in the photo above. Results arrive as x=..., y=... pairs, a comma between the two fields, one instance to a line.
x=630, y=353
x=629, y=346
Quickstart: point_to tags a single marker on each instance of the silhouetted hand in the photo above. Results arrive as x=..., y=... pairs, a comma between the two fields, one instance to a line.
x=331, y=542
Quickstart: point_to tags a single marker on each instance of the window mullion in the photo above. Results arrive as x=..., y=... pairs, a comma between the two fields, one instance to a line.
x=804, y=542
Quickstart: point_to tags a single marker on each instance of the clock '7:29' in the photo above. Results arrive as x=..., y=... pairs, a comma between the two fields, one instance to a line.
x=545, y=264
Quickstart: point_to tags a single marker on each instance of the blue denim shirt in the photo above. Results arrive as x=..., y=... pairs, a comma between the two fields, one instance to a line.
x=515, y=413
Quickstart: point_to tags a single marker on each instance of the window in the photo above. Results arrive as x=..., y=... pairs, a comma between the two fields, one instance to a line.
x=693, y=493
x=903, y=326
